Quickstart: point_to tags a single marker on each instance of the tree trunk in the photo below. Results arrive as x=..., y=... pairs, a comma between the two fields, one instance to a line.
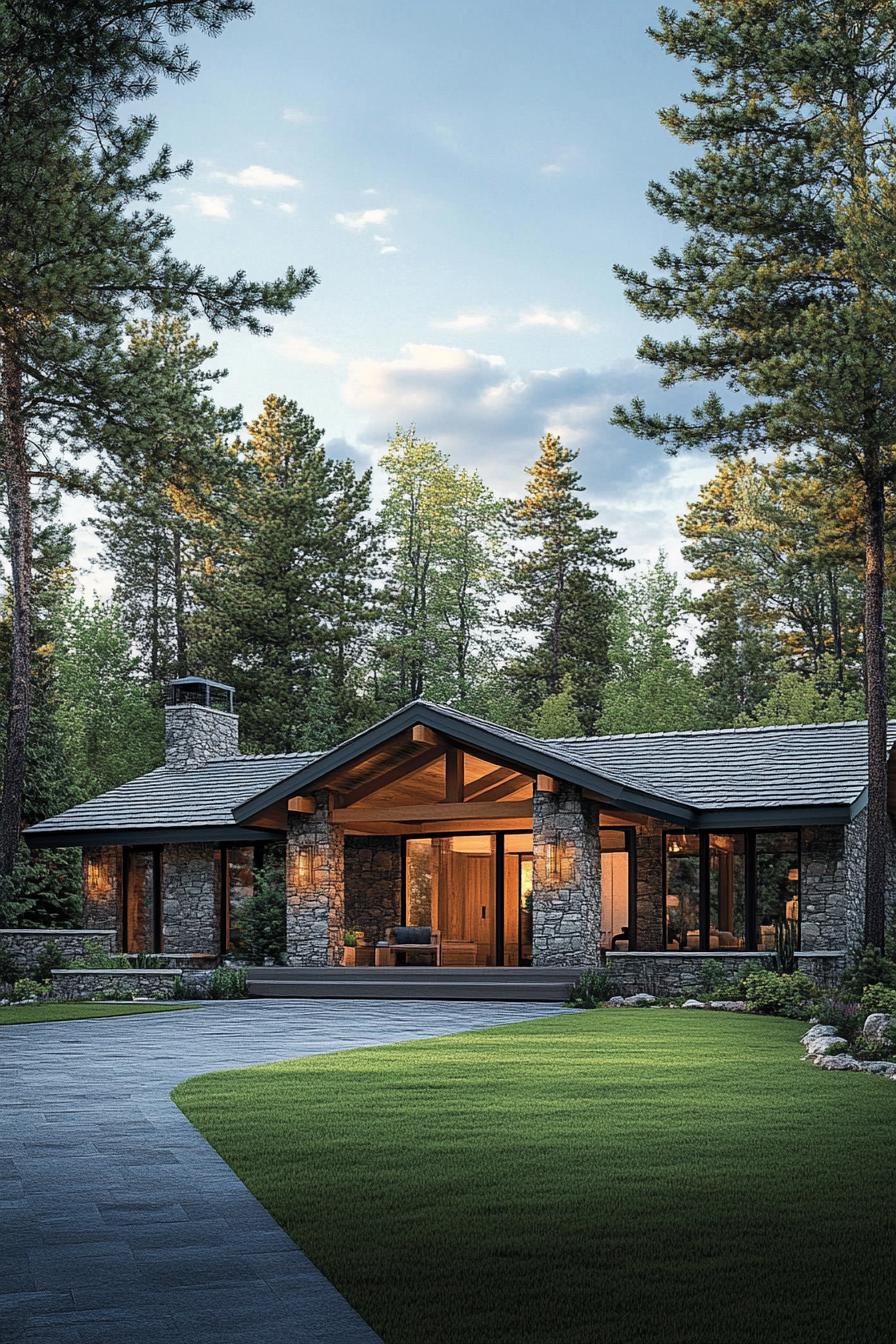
x=18, y=500
x=876, y=703
x=182, y=668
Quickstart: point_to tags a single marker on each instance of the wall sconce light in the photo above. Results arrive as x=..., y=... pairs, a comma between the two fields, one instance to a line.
x=793, y=875
x=304, y=866
x=552, y=861
x=97, y=874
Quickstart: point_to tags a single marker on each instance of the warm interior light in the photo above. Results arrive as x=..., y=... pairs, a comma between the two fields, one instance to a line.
x=552, y=861
x=793, y=875
x=304, y=867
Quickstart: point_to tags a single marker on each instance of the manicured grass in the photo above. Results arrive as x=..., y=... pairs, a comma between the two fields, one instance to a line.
x=603, y=1178
x=62, y=1012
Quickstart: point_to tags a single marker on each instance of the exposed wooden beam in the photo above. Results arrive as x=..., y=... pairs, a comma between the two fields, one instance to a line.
x=412, y=828
x=546, y=784
x=301, y=804
x=454, y=775
x=477, y=786
x=510, y=785
x=426, y=737
x=432, y=812
x=403, y=770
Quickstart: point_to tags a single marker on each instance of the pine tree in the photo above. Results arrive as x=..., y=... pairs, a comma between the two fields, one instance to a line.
x=282, y=610
x=564, y=584
x=652, y=685
x=162, y=468
x=82, y=245
x=556, y=716
x=787, y=272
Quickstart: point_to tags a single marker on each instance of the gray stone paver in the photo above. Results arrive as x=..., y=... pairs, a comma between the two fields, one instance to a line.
x=119, y=1223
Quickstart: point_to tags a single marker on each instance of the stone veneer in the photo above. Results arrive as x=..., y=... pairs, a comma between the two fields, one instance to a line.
x=648, y=860
x=189, y=899
x=566, y=903
x=94, y=984
x=315, y=887
x=372, y=884
x=675, y=973
x=26, y=945
x=103, y=889
x=195, y=735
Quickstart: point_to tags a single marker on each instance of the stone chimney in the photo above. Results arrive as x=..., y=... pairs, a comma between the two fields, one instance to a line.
x=200, y=725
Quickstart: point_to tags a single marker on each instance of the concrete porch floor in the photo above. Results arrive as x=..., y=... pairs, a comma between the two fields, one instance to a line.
x=119, y=1224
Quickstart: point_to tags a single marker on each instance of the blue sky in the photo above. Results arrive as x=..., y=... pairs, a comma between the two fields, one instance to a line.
x=462, y=177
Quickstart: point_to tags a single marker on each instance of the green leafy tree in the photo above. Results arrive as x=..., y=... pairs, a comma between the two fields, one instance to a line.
x=556, y=715
x=284, y=607
x=787, y=273
x=563, y=579
x=797, y=698
x=83, y=245
x=162, y=469
x=446, y=561
x=109, y=726
x=652, y=686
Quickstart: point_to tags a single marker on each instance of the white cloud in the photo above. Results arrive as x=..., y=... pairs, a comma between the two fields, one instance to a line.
x=388, y=249
x=287, y=207
x=261, y=178
x=370, y=191
x=298, y=116
x=471, y=321
x=551, y=169
x=559, y=163
x=568, y=320
x=358, y=220
x=303, y=351
x=213, y=207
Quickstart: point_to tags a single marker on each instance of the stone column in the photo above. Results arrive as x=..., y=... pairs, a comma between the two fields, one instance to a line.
x=315, y=887
x=372, y=884
x=190, y=899
x=102, y=887
x=566, y=879
x=648, y=860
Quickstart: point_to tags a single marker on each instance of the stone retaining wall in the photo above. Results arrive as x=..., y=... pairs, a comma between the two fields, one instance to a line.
x=26, y=945
x=670, y=973
x=122, y=984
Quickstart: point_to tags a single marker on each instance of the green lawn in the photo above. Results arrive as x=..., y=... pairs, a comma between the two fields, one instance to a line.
x=62, y=1012
x=603, y=1178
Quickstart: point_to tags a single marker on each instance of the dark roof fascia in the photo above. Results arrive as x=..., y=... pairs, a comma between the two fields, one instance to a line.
x=774, y=818
x=88, y=838
x=457, y=728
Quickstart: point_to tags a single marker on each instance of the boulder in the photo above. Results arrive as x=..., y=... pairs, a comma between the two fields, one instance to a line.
x=816, y=1033
x=617, y=1001
x=826, y=1045
x=842, y=1062
x=639, y=1000
x=729, y=1005
x=876, y=1026
x=694, y=1003
x=882, y=1066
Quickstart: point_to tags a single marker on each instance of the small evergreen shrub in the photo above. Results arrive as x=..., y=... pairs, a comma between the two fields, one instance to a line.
x=226, y=982
x=98, y=959
x=260, y=924
x=782, y=995
x=786, y=941
x=591, y=988
x=717, y=983
x=49, y=959
x=27, y=988
x=9, y=967
x=879, y=999
x=869, y=966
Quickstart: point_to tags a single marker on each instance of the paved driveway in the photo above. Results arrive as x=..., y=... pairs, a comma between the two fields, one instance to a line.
x=119, y=1223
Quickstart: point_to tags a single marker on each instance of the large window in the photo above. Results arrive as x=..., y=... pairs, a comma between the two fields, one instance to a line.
x=615, y=888
x=727, y=891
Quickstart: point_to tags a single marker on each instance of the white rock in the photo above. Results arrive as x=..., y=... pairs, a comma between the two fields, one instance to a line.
x=881, y=1066
x=617, y=1001
x=815, y=1033
x=876, y=1025
x=639, y=1000
x=839, y=1062
x=826, y=1045
x=694, y=1003
x=729, y=1005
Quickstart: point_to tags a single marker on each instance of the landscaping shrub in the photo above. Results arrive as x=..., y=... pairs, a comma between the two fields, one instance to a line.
x=786, y=941
x=9, y=967
x=717, y=983
x=591, y=988
x=227, y=983
x=783, y=995
x=260, y=924
x=98, y=959
x=869, y=966
x=29, y=989
x=879, y=999
x=847, y=1017
x=50, y=958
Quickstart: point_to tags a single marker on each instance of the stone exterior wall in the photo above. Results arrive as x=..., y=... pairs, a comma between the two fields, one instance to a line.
x=680, y=973
x=565, y=902
x=122, y=984
x=189, y=899
x=648, y=859
x=103, y=887
x=195, y=735
x=832, y=886
x=372, y=884
x=26, y=945
x=315, y=887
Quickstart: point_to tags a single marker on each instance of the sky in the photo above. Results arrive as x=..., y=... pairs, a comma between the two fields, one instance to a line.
x=462, y=177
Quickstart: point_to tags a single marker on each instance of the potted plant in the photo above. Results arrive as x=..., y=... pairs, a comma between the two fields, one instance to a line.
x=352, y=939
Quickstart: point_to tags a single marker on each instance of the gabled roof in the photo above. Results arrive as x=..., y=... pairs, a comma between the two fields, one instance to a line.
x=727, y=777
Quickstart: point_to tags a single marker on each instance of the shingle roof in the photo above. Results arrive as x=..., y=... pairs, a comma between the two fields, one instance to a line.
x=168, y=798
x=695, y=776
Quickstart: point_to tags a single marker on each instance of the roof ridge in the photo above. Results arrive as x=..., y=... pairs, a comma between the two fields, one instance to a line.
x=716, y=732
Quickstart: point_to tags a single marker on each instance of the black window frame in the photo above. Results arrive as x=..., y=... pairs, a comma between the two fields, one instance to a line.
x=156, y=852
x=750, y=909
x=631, y=849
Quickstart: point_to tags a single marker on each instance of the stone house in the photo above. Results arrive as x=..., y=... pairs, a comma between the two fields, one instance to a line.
x=652, y=852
